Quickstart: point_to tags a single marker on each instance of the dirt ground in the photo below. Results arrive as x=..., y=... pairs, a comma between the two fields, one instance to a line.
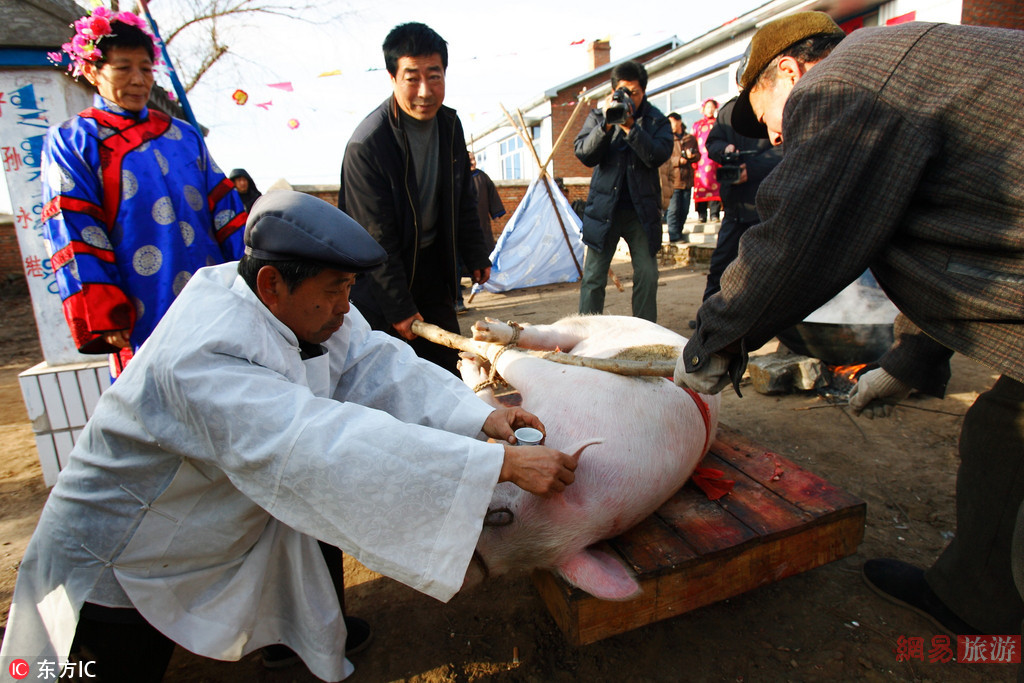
x=823, y=625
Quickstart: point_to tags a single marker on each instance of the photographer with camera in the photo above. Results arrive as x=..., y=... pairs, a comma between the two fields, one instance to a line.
x=744, y=163
x=625, y=141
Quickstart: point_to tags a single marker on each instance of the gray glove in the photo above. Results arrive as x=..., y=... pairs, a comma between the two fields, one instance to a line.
x=876, y=393
x=710, y=379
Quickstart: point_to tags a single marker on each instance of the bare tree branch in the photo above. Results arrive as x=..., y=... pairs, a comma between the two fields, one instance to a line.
x=204, y=46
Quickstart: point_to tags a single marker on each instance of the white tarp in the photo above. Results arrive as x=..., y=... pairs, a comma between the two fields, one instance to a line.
x=532, y=249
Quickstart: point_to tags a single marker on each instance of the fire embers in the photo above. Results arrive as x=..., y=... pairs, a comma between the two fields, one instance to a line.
x=843, y=379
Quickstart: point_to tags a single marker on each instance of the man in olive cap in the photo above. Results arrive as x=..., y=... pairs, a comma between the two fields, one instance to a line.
x=904, y=153
x=262, y=415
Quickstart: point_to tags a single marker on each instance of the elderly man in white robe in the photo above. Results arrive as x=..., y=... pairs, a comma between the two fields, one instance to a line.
x=261, y=416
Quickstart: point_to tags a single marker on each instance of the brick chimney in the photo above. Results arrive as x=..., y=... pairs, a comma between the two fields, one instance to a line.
x=600, y=53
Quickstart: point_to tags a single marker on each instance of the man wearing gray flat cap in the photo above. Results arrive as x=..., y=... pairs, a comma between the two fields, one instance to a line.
x=904, y=153
x=262, y=416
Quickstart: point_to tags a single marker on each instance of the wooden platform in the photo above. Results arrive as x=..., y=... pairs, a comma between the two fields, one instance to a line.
x=778, y=521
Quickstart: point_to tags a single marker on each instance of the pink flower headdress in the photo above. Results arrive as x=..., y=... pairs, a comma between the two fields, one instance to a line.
x=83, y=47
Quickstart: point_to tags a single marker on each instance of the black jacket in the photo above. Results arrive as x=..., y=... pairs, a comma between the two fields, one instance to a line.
x=635, y=157
x=738, y=200
x=378, y=190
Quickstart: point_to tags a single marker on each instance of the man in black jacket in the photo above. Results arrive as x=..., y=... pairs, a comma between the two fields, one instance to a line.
x=406, y=179
x=756, y=159
x=625, y=192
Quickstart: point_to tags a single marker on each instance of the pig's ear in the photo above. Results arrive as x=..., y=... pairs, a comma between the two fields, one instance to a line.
x=599, y=574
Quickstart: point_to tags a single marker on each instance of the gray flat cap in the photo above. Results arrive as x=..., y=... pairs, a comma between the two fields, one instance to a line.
x=294, y=226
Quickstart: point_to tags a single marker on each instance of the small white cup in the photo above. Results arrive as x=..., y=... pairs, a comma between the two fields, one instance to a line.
x=528, y=436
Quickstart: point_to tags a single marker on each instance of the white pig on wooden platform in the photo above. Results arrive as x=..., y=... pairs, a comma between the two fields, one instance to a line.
x=653, y=436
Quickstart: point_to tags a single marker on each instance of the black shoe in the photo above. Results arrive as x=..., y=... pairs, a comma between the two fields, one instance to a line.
x=278, y=657
x=360, y=633
x=693, y=324
x=461, y=308
x=904, y=584
x=281, y=656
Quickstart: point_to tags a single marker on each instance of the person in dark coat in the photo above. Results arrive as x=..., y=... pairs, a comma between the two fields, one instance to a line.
x=246, y=187
x=406, y=179
x=758, y=158
x=898, y=162
x=677, y=177
x=625, y=192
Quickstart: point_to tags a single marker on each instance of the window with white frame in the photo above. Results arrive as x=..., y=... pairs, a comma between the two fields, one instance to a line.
x=686, y=99
x=511, y=152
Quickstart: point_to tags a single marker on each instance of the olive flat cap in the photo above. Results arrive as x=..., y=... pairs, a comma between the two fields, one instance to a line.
x=771, y=40
x=285, y=225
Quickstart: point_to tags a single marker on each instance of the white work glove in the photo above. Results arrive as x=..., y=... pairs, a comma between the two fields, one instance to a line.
x=710, y=379
x=876, y=393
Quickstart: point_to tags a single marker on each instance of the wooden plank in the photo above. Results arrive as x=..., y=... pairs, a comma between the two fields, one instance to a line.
x=758, y=507
x=652, y=546
x=765, y=530
x=705, y=525
x=803, y=489
x=585, y=619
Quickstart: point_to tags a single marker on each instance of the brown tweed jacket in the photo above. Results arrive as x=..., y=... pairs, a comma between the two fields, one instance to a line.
x=904, y=152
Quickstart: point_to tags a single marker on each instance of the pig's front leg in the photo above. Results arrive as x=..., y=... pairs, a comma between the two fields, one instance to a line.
x=475, y=374
x=552, y=337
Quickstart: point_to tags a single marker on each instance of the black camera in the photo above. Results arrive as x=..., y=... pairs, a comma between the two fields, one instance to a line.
x=621, y=107
x=731, y=170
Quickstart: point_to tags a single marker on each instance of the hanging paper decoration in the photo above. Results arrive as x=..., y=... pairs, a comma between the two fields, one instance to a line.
x=265, y=105
x=286, y=86
x=336, y=72
x=293, y=123
x=240, y=97
x=577, y=42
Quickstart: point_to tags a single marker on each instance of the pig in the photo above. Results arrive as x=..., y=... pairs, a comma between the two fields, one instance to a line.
x=648, y=436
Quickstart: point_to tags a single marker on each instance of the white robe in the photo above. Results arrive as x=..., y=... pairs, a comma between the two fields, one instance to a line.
x=197, y=491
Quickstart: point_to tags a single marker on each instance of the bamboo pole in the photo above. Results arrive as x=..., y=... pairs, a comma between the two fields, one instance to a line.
x=633, y=368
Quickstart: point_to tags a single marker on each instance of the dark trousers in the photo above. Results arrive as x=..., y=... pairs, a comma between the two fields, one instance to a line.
x=625, y=225
x=125, y=648
x=707, y=209
x=725, y=251
x=974, y=575
x=675, y=217
x=432, y=291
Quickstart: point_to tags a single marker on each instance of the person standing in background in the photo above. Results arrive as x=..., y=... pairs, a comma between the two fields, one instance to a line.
x=246, y=187
x=677, y=177
x=133, y=205
x=406, y=179
x=706, y=199
x=625, y=198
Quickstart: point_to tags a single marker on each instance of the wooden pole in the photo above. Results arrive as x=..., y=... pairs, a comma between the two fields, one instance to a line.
x=543, y=173
x=565, y=130
x=633, y=368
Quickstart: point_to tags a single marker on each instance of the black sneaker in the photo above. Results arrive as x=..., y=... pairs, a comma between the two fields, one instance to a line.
x=360, y=633
x=904, y=584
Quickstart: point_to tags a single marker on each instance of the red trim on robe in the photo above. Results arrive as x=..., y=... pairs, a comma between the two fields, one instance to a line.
x=63, y=203
x=63, y=256
x=132, y=134
x=232, y=227
x=219, y=191
x=94, y=311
